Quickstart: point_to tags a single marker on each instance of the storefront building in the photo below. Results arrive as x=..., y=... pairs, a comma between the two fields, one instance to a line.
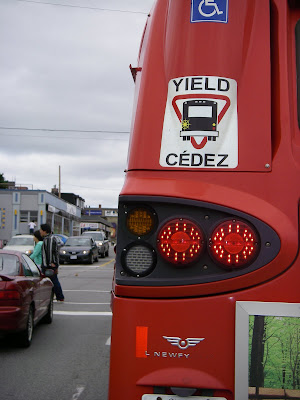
x=19, y=207
x=105, y=219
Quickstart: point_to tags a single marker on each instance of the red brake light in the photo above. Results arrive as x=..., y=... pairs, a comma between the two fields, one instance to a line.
x=9, y=295
x=180, y=241
x=234, y=243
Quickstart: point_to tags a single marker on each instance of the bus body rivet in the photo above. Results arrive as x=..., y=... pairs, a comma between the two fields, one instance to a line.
x=267, y=165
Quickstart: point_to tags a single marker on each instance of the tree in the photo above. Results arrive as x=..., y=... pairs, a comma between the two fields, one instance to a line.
x=256, y=375
x=274, y=352
x=3, y=182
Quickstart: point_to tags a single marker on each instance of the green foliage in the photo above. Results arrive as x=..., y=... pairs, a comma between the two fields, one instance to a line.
x=281, y=351
x=2, y=181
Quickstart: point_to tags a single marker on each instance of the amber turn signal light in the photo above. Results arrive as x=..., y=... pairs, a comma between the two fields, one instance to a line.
x=140, y=221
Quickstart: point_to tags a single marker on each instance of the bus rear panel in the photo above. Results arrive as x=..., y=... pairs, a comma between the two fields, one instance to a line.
x=205, y=295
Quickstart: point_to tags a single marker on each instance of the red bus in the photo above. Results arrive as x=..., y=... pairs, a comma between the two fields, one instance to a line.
x=206, y=295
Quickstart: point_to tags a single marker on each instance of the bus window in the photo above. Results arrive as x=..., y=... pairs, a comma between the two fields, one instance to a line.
x=200, y=112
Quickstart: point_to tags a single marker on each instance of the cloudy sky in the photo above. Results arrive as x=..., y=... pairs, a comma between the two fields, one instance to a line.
x=64, y=69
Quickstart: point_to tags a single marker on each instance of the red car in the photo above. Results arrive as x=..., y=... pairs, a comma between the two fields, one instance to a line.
x=26, y=296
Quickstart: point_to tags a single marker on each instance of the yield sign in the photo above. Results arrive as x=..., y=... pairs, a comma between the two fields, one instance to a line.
x=200, y=125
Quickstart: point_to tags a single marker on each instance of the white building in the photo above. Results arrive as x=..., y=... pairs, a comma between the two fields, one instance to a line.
x=19, y=207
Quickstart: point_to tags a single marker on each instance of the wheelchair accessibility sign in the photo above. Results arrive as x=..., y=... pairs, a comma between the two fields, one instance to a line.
x=209, y=11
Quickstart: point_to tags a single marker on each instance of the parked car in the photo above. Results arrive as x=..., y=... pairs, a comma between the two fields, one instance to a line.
x=23, y=243
x=26, y=296
x=78, y=248
x=101, y=241
x=62, y=238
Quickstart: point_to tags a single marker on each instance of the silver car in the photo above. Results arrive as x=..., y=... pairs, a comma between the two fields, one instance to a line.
x=23, y=243
x=101, y=241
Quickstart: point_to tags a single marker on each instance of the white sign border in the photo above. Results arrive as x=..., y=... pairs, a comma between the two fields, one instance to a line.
x=229, y=142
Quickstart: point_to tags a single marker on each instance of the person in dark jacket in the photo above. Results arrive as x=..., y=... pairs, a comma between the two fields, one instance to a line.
x=50, y=258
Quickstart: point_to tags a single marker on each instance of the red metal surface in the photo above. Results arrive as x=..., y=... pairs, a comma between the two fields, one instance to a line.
x=256, y=49
x=173, y=47
x=210, y=364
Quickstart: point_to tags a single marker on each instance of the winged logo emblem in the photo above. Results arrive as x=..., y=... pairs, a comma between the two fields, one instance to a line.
x=183, y=343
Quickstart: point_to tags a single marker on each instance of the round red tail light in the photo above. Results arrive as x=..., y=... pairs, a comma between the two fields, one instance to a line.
x=234, y=243
x=180, y=241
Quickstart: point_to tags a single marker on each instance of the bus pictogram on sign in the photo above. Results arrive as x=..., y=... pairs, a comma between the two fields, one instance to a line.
x=199, y=119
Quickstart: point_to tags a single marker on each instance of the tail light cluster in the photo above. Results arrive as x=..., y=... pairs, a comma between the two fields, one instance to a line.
x=207, y=243
x=9, y=295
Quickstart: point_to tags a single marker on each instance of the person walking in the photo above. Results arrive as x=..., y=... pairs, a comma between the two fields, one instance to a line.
x=36, y=256
x=50, y=258
x=31, y=225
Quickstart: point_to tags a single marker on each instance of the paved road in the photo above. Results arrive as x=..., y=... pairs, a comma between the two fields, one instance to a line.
x=69, y=359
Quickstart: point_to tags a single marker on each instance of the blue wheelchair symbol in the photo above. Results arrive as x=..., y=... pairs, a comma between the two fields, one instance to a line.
x=209, y=11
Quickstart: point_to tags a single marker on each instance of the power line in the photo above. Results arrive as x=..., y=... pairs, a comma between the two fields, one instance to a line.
x=59, y=130
x=94, y=188
x=84, y=7
x=65, y=131
x=63, y=137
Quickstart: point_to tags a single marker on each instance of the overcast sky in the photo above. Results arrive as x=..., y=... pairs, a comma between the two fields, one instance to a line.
x=67, y=68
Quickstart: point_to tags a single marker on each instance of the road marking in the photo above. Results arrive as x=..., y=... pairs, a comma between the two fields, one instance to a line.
x=107, y=262
x=87, y=313
x=79, y=266
x=79, y=390
x=91, y=291
x=108, y=342
x=69, y=266
x=70, y=302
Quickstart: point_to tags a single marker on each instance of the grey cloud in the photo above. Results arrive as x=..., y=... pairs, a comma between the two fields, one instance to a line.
x=67, y=68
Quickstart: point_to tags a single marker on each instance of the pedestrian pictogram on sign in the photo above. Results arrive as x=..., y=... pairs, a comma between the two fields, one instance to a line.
x=209, y=11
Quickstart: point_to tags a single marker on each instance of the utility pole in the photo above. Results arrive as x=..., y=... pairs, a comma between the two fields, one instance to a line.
x=59, y=182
